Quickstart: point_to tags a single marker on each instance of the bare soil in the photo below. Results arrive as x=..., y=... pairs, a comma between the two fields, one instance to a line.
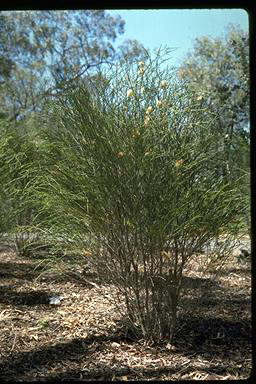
x=83, y=338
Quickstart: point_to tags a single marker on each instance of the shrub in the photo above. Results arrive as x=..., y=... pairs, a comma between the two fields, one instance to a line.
x=19, y=164
x=133, y=178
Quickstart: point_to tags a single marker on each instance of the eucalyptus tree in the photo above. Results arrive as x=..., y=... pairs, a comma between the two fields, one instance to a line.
x=44, y=53
x=217, y=73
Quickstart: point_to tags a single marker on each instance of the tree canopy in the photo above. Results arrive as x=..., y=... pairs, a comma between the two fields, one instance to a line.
x=43, y=53
x=217, y=73
x=217, y=70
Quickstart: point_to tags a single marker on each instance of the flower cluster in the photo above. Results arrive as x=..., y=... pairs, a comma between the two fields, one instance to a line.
x=160, y=103
x=178, y=163
x=164, y=84
x=141, y=70
x=130, y=93
x=146, y=120
x=149, y=110
x=135, y=133
x=120, y=154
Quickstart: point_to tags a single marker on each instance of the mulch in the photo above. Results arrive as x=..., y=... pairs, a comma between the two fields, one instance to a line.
x=83, y=338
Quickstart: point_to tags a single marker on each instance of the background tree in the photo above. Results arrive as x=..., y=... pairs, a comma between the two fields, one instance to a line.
x=44, y=53
x=217, y=73
x=217, y=70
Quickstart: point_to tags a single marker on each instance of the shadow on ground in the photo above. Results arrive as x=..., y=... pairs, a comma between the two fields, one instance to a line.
x=245, y=270
x=195, y=337
x=35, y=270
x=197, y=334
x=209, y=333
x=198, y=282
x=28, y=298
x=19, y=270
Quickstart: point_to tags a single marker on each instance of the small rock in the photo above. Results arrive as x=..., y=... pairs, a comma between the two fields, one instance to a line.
x=55, y=300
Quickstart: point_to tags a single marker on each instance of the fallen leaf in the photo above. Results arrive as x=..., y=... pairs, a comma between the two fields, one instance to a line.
x=115, y=345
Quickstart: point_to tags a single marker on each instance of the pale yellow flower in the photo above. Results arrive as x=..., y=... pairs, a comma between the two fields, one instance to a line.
x=178, y=163
x=164, y=84
x=149, y=110
x=120, y=154
x=199, y=97
x=147, y=120
x=130, y=93
x=141, y=71
x=159, y=103
x=86, y=252
x=141, y=63
x=136, y=133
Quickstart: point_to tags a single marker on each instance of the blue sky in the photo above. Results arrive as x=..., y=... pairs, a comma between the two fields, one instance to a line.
x=177, y=28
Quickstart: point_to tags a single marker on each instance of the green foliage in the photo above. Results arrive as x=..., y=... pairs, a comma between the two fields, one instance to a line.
x=217, y=73
x=44, y=53
x=132, y=177
x=19, y=165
